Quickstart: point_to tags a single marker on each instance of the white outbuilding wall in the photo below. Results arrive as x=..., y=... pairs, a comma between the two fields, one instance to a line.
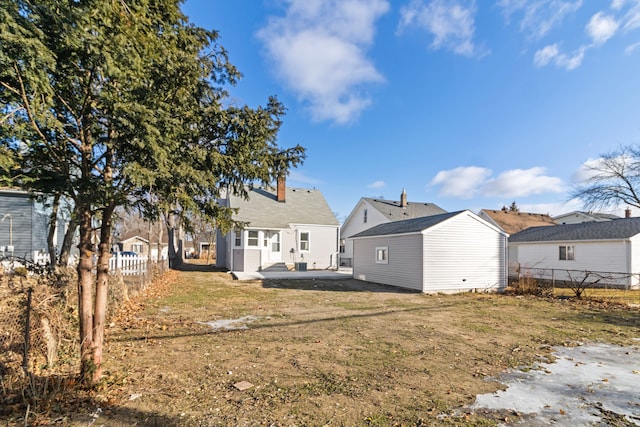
x=461, y=253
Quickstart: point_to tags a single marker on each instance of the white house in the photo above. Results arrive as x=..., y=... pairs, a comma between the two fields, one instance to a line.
x=450, y=252
x=606, y=251
x=370, y=212
x=285, y=228
x=577, y=217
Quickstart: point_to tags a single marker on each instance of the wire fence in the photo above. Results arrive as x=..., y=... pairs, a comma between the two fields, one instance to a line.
x=556, y=277
x=38, y=319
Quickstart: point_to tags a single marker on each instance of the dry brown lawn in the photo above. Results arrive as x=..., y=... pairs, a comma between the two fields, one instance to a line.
x=330, y=353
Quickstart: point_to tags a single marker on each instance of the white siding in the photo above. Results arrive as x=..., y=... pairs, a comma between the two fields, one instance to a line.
x=323, y=246
x=355, y=224
x=603, y=257
x=464, y=253
x=634, y=261
x=404, y=256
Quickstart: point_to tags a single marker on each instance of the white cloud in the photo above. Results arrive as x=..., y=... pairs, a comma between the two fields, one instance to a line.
x=522, y=182
x=538, y=17
x=461, y=182
x=377, y=184
x=318, y=50
x=602, y=27
x=300, y=178
x=631, y=18
x=571, y=62
x=466, y=182
x=546, y=55
x=451, y=23
x=551, y=53
x=632, y=48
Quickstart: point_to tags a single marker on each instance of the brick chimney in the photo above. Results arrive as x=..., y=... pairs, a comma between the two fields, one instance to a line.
x=281, y=189
x=627, y=213
x=403, y=199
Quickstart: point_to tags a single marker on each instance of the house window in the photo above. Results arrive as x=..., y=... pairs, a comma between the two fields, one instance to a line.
x=365, y=216
x=566, y=253
x=237, y=239
x=137, y=248
x=382, y=255
x=275, y=243
x=252, y=239
x=304, y=241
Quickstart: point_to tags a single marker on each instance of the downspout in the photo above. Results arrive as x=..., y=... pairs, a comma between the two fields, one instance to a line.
x=505, y=268
x=632, y=275
x=231, y=241
x=338, y=248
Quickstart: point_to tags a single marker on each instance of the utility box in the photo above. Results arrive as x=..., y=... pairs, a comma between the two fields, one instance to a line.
x=301, y=266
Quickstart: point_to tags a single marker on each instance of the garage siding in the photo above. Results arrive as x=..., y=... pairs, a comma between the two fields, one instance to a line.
x=462, y=254
x=404, y=261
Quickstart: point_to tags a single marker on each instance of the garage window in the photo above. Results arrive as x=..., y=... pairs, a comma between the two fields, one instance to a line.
x=566, y=253
x=382, y=255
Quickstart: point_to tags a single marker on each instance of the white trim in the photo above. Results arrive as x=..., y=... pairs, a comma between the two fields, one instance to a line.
x=382, y=255
x=308, y=249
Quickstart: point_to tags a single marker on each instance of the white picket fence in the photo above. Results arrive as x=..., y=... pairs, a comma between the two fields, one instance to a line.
x=128, y=265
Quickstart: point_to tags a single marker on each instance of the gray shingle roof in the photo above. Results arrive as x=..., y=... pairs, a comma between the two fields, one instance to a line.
x=302, y=206
x=414, y=225
x=621, y=228
x=395, y=212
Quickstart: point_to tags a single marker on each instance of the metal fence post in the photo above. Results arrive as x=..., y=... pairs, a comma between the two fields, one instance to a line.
x=27, y=333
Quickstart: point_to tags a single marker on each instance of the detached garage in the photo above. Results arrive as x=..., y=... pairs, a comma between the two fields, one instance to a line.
x=451, y=252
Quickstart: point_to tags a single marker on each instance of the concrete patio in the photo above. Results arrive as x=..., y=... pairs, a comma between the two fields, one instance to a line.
x=342, y=273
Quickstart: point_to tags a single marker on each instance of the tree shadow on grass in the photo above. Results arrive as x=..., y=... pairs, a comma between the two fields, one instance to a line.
x=61, y=400
x=123, y=416
x=335, y=285
x=620, y=317
x=203, y=268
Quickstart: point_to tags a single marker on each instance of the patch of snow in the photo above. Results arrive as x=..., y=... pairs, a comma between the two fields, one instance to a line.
x=231, y=324
x=576, y=390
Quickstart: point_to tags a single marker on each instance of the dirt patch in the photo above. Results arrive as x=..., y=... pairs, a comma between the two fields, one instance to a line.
x=334, y=352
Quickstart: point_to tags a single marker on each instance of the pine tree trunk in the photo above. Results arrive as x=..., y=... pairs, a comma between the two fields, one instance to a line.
x=175, y=255
x=53, y=222
x=85, y=288
x=102, y=288
x=65, y=250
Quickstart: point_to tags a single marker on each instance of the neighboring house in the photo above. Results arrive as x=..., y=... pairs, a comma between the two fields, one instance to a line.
x=609, y=250
x=450, y=252
x=137, y=240
x=577, y=217
x=24, y=226
x=370, y=212
x=286, y=227
x=515, y=221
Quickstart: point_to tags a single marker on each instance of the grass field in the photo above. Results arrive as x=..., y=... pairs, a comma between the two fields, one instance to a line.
x=334, y=352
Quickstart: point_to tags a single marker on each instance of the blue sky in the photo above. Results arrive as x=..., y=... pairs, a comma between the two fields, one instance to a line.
x=466, y=104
